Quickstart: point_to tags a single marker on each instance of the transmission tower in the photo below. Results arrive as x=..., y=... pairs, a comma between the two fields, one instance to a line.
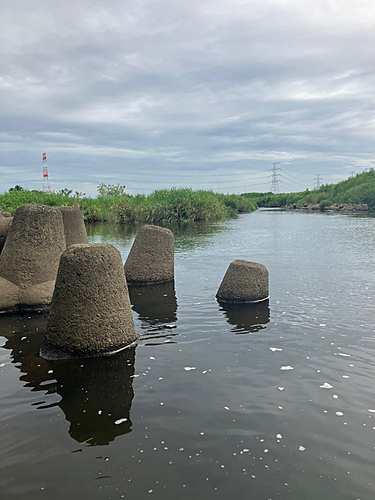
x=46, y=186
x=274, y=178
x=318, y=181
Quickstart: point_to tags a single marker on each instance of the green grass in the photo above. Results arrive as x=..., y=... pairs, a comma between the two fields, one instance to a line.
x=161, y=206
x=356, y=190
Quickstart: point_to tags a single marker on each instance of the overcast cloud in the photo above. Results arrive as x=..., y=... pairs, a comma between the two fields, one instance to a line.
x=207, y=93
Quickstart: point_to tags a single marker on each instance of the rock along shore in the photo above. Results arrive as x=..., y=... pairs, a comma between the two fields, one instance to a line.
x=336, y=207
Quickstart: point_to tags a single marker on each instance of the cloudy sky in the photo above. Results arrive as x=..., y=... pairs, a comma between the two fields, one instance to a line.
x=207, y=94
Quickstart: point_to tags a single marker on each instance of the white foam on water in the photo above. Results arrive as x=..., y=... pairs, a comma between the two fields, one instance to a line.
x=342, y=354
x=287, y=367
x=326, y=385
x=121, y=420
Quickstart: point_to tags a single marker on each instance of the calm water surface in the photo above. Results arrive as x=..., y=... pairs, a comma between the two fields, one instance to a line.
x=265, y=402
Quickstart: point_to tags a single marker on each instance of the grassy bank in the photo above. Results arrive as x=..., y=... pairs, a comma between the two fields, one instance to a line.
x=161, y=206
x=357, y=190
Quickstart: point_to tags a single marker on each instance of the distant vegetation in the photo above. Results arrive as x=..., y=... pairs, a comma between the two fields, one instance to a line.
x=175, y=205
x=357, y=190
x=113, y=205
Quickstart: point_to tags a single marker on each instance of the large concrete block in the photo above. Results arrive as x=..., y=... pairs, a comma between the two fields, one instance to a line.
x=74, y=226
x=151, y=258
x=244, y=282
x=90, y=313
x=5, y=222
x=30, y=257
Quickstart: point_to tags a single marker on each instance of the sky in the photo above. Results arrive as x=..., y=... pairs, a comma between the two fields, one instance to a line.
x=206, y=94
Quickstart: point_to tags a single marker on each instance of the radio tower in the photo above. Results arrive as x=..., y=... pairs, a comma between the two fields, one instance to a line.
x=274, y=178
x=46, y=186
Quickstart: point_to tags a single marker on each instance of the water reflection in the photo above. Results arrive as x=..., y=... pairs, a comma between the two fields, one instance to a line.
x=155, y=304
x=187, y=235
x=247, y=318
x=95, y=394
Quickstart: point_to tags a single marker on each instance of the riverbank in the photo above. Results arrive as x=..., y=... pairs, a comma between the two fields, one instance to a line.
x=353, y=192
x=322, y=207
x=161, y=206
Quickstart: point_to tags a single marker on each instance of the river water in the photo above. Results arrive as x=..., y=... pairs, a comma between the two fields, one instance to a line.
x=273, y=401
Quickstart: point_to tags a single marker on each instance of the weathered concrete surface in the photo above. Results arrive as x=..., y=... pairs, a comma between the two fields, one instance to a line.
x=90, y=313
x=5, y=222
x=30, y=257
x=244, y=282
x=74, y=226
x=9, y=296
x=151, y=258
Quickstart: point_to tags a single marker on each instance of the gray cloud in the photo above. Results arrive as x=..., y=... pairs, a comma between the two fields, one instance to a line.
x=204, y=94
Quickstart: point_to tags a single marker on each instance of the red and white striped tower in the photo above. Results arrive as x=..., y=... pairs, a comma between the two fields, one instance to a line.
x=46, y=186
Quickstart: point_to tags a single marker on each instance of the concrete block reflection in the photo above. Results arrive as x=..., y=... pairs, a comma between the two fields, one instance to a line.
x=154, y=303
x=95, y=394
x=247, y=318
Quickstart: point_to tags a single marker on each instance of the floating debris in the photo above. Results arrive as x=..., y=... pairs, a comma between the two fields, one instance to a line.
x=326, y=385
x=285, y=368
x=120, y=421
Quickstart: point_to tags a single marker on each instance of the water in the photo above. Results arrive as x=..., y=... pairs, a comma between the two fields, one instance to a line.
x=267, y=402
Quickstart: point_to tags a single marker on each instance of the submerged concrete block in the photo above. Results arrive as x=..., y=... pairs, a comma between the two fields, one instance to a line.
x=74, y=226
x=90, y=313
x=151, y=258
x=30, y=257
x=5, y=222
x=244, y=282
